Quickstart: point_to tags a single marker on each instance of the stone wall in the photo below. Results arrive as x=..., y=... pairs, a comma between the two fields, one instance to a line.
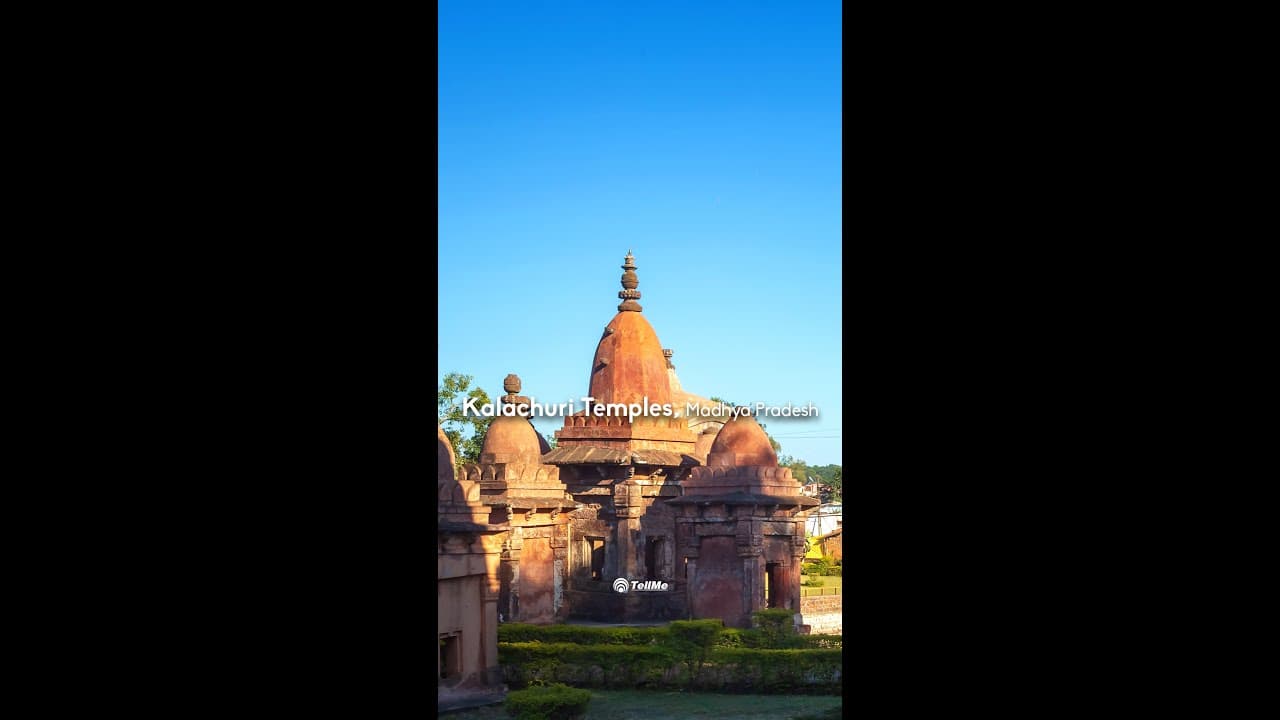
x=823, y=614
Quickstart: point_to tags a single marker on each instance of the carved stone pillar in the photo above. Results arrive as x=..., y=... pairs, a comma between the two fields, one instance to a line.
x=752, y=581
x=796, y=571
x=491, y=546
x=628, y=506
x=560, y=551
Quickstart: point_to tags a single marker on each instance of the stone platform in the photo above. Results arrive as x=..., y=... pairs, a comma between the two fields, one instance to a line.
x=457, y=700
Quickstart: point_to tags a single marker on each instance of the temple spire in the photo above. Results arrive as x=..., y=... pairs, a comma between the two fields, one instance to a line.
x=629, y=293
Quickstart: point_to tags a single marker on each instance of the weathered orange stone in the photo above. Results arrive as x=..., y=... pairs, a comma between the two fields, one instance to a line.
x=742, y=442
x=511, y=439
x=629, y=363
x=467, y=560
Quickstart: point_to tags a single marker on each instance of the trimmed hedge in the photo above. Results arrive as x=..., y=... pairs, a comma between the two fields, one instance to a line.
x=777, y=626
x=775, y=671
x=624, y=667
x=689, y=654
x=550, y=702
x=607, y=666
x=754, y=638
x=584, y=635
x=519, y=632
x=658, y=667
x=581, y=634
x=693, y=641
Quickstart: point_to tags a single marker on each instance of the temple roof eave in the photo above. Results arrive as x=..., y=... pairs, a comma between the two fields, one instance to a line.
x=454, y=526
x=571, y=455
x=742, y=498
x=527, y=502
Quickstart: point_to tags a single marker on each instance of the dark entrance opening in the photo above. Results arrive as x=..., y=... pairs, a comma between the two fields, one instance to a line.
x=450, y=657
x=652, y=556
x=597, y=558
x=771, y=577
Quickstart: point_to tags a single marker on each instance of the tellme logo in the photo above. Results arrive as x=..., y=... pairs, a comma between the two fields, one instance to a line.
x=623, y=585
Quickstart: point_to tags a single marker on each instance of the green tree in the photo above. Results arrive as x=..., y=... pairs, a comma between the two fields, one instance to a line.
x=450, y=395
x=829, y=474
x=800, y=471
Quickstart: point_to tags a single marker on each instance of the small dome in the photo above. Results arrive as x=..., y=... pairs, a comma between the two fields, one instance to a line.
x=510, y=439
x=445, y=462
x=629, y=364
x=742, y=442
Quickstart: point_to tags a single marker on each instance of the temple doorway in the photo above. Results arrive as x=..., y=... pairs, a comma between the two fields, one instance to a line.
x=771, y=585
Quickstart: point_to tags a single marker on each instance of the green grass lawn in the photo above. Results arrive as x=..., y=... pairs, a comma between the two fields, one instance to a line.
x=828, y=581
x=665, y=705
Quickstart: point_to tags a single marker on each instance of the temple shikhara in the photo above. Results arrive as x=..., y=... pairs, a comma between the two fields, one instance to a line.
x=533, y=534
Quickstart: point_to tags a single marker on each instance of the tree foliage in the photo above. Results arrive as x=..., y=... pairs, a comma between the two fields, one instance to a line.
x=465, y=432
x=828, y=474
x=824, y=474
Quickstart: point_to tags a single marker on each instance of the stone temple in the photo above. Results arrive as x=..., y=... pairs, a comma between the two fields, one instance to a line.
x=694, y=502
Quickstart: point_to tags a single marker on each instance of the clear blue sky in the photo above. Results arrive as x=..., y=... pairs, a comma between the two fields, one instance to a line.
x=703, y=136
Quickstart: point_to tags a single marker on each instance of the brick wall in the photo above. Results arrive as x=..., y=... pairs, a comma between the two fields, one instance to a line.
x=823, y=614
x=821, y=604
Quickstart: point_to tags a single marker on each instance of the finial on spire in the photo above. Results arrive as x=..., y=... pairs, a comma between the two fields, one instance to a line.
x=630, y=281
x=512, y=385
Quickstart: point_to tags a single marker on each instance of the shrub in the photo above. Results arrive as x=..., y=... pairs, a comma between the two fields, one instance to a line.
x=755, y=638
x=775, y=671
x=549, y=702
x=731, y=637
x=777, y=626
x=818, y=641
x=693, y=640
x=622, y=666
x=821, y=566
x=812, y=666
x=699, y=654
x=582, y=635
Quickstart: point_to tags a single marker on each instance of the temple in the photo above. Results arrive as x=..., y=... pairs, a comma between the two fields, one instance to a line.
x=466, y=580
x=697, y=503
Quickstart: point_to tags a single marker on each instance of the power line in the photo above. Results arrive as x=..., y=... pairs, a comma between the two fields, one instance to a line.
x=806, y=434
x=805, y=437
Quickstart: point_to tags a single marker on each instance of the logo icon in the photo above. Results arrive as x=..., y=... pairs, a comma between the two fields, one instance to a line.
x=623, y=585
